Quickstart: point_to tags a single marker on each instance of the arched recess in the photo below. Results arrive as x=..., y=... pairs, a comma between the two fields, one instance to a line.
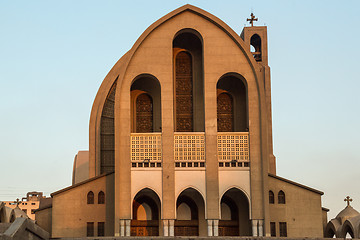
x=146, y=213
x=255, y=42
x=347, y=228
x=190, y=214
x=232, y=104
x=235, y=209
x=107, y=133
x=188, y=82
x=145, y=104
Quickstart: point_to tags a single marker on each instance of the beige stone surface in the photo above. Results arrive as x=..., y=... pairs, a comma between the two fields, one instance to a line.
x=302, y=211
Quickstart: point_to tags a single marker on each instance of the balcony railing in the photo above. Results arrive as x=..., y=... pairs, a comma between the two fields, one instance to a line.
x=189, y=149
x=146, y=150
x=233, y=149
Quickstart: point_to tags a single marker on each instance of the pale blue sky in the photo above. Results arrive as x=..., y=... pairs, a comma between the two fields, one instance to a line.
x=55, y=54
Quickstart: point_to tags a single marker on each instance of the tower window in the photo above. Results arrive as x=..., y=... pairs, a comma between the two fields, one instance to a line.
x=281, y=197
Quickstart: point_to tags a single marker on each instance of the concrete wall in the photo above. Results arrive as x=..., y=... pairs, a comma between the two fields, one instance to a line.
x=302, y=211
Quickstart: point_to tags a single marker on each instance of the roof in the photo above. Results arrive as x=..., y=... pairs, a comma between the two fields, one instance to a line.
x=79, y=184
x=296, y=184
x=347, y=212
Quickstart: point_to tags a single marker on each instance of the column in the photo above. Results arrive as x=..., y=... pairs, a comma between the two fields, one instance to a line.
x=210, y=228
x=254, y=228
x=171, y=227
x=127, y=227
x=166, y=227
x=261, y=228
x=122, y=228
x=216, y=228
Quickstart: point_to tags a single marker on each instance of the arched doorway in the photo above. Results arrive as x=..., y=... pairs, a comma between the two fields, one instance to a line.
x=234, y=214
x=146, y=214
x=190, y=214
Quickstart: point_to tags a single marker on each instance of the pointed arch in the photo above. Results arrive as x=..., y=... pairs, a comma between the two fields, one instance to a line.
x=281, y=197
x=145, y=213
x=271, y=197
x=101, y=197
x=237, y=224
x=90, y=197
x=190, y=223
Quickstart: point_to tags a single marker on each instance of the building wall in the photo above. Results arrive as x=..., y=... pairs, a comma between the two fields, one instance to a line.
x=70, y=212
x=302, y=211
x=27, y=206
x=43, y=219
x=154, y=56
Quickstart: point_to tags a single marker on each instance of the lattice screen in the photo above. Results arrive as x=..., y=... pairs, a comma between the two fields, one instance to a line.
x=233, y=147
x=146, y=147
x=189, y=147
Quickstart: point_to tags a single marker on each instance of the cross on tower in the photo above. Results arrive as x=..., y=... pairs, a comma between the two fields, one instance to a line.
x=252, y=19
x=348, y=200
x=17, y=202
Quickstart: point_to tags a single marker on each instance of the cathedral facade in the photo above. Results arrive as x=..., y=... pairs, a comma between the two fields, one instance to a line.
x=181, y=142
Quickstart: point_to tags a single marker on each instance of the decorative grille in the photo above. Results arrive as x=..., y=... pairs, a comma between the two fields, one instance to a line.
x=233, y=147
x=189, y=147
x=146, y=147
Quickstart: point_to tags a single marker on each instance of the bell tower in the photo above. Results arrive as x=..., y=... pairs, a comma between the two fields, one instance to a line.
x=255, y=38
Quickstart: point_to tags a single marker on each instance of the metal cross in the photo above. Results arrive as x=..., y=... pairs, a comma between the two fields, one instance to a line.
x=252, y=19
x=17, y=202
x=348, y=200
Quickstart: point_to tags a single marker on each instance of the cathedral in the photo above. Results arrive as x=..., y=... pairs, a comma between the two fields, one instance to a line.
x=180, y=143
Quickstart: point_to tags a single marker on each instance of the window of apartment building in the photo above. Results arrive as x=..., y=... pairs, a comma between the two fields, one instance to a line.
x=283, y=229
x=101, y=229
x=90, y=229
x=273, y=229
x=33, y=203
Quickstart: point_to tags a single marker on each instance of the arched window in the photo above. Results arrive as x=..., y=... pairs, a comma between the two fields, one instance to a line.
x=90, y=198
x=144, y=113
x=189, y=112
x=184, y=92
x=145, y=95
x=101, y=197
x=225, y=113
x=271, y=197
x=232, y=110
x=281, y=197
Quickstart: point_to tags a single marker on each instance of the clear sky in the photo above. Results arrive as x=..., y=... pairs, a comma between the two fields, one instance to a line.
x=55, y=54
